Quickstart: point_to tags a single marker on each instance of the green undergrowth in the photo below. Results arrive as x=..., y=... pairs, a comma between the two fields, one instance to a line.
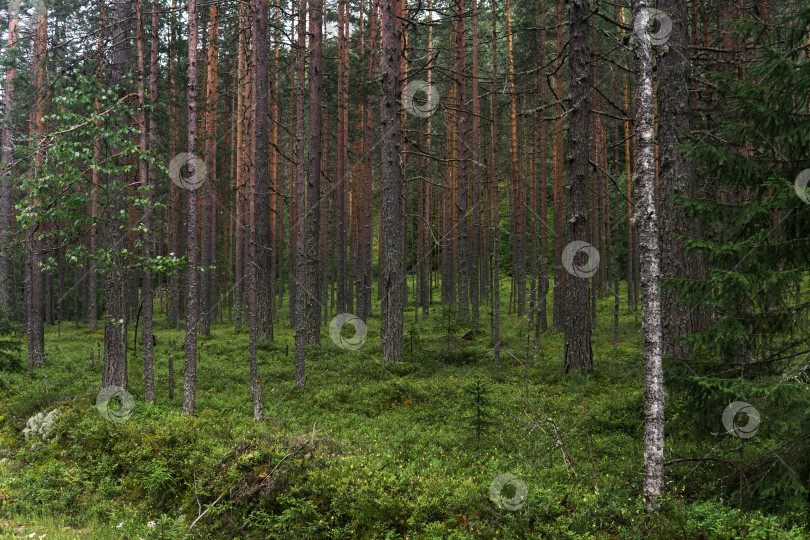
x=367, y=450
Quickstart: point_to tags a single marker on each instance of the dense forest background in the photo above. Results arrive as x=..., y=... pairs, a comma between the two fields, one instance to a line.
x=533, y=268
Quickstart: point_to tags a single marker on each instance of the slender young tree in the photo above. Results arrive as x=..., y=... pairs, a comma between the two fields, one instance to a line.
x=393, y=263
x=578, y=353
x=650, y=255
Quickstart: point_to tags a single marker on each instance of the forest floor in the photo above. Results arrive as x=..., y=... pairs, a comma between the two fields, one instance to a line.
x=367, y=450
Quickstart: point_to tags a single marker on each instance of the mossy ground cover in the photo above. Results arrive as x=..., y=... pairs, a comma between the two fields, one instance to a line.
x=367, y=450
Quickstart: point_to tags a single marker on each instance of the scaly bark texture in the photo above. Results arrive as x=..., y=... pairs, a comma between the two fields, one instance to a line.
x=190, y=374
x=393, y=263
x=578, y=353
x=650, y=255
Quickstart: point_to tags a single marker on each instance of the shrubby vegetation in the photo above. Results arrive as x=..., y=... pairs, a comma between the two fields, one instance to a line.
x=368, y=450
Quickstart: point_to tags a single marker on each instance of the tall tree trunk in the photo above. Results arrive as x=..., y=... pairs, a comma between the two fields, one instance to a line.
x=518, y=198
x=262, y=317
x=208, y=251
x=174, y=190
x=578, y=353
x=650, y=255
x=475, y=168
x=544, y=281
x=393, y=263
x=367, y=205
x=239, y=193
x=462, y=226
x=558, y=308
x=495, y=200
x=274, y=176
x=34, y=278
x=7, y=294
x=115, y=328
x=312, y=335
x=676, y=177
x=426, y=240
x=342, y=153
x=190, y=374
x=147, y=218
x=296, y=275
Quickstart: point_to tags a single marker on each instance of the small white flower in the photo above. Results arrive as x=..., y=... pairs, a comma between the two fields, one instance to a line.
x=151, y=524
x=33, y=534
x=119, y=525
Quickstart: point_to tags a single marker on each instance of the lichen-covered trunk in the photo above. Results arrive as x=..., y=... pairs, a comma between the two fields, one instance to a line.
x=650, y=257
x=393, y=263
